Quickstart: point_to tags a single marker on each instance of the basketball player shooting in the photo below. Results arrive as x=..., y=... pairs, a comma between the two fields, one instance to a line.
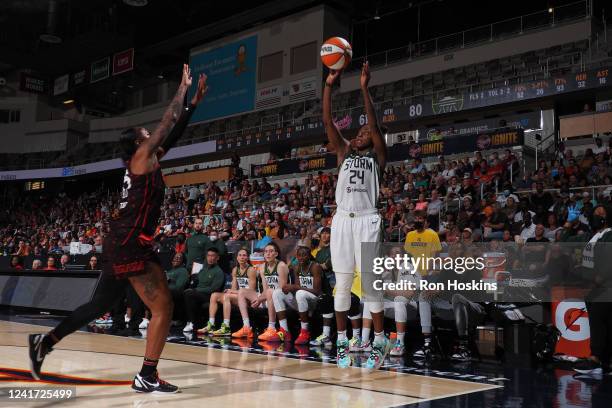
x=130, y=258
x=357, y=220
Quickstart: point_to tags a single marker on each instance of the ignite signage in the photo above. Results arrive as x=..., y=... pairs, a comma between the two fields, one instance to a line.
x=298, y=165
x=458, y=144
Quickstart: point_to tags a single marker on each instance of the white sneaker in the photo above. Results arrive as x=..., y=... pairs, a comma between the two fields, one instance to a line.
x=188, y=327
x=366, y=346
x=144, y=324
x=355, y=345
x=398, y=349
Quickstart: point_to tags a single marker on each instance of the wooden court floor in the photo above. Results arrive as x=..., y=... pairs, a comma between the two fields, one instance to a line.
x=212, y=377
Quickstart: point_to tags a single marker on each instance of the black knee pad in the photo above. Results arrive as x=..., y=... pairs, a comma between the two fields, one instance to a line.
x=326, y=303
x=355, y=309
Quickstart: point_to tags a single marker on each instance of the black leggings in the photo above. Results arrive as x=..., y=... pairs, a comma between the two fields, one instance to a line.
x=600, y=322
x=108, y=293
x=467, y=314
x=193, y=301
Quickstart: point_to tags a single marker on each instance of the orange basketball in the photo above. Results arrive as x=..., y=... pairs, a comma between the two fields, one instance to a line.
x=336, y=53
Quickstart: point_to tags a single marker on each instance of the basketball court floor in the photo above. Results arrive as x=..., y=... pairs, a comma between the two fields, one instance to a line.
x=227, y=373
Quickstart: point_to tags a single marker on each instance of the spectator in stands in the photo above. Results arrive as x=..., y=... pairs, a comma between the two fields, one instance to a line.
x=528, y=228
x=92, y=265
x=496, y=222
x=178, y=278
x=196, y=245
x=194, y=192
x=64, y=260
x=50, y=264
x=550, y=232
x=22, y=250
x=16, y=262
x=599, y=147
x=210, y=279
x=180, y=245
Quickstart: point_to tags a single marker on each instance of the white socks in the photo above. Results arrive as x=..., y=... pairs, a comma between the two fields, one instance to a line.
x=283, y=324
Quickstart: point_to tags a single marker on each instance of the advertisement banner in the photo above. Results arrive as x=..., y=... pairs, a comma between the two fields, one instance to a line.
x=100, y=70
x=528, y=120
x=297, y=165
x=33, y=83
x=123, y=61
x=270, y=96
x=78, y=78
x=571, y=318
x=303, y=89
x=60, y=85
x=231, y=71
x=497, y=139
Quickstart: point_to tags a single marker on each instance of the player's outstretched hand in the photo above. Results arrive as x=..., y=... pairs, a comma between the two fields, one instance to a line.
x=202, y=89
x=332, y=77
x=365, y=74
x=186, y=81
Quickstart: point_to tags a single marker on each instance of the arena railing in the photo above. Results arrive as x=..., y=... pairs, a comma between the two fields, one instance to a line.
x=500, y=30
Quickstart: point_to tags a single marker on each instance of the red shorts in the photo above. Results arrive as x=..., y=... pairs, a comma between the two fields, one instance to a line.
x=128, y=259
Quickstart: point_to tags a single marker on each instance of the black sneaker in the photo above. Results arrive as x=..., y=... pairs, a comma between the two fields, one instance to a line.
x=425, y=352
x=462, y=354
x=38, y=351
x=153, y=384
x=588, y=367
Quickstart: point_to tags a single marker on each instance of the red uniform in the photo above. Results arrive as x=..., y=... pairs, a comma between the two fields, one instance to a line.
x=130, y=242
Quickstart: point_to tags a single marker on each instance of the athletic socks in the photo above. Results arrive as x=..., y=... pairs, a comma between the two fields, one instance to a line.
x=365, y=334
x=246, y=322
x=356, y=333
x=342, y=335
x=272, y=325
x=379, y=336
x=49, y=340
x=211, y=320
x=226, y=322
x=304, y=325
x=283, y=324
x=400, y=337
x=326, y=331
x=149, y=367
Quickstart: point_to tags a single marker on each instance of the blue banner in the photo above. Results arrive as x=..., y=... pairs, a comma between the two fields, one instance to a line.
x=231, y=73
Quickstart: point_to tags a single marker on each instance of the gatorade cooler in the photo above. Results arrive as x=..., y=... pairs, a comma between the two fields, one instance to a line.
x=494, y=262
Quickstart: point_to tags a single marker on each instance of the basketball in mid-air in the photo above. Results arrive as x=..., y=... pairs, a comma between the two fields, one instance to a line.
x=336, y=53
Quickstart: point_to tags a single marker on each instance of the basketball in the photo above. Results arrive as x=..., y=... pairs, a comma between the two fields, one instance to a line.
x=336, y=53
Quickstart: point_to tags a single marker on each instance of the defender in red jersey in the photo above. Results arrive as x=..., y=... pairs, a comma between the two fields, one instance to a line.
x=128, y=249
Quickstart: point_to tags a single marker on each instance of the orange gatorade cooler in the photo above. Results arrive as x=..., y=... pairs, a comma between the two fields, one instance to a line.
x=494, y=262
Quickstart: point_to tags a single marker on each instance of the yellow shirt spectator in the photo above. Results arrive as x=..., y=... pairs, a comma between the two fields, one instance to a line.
x=424, y=245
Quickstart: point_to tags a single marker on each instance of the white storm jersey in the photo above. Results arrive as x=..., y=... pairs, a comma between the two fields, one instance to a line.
x=243, y=282
x=358, y=182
